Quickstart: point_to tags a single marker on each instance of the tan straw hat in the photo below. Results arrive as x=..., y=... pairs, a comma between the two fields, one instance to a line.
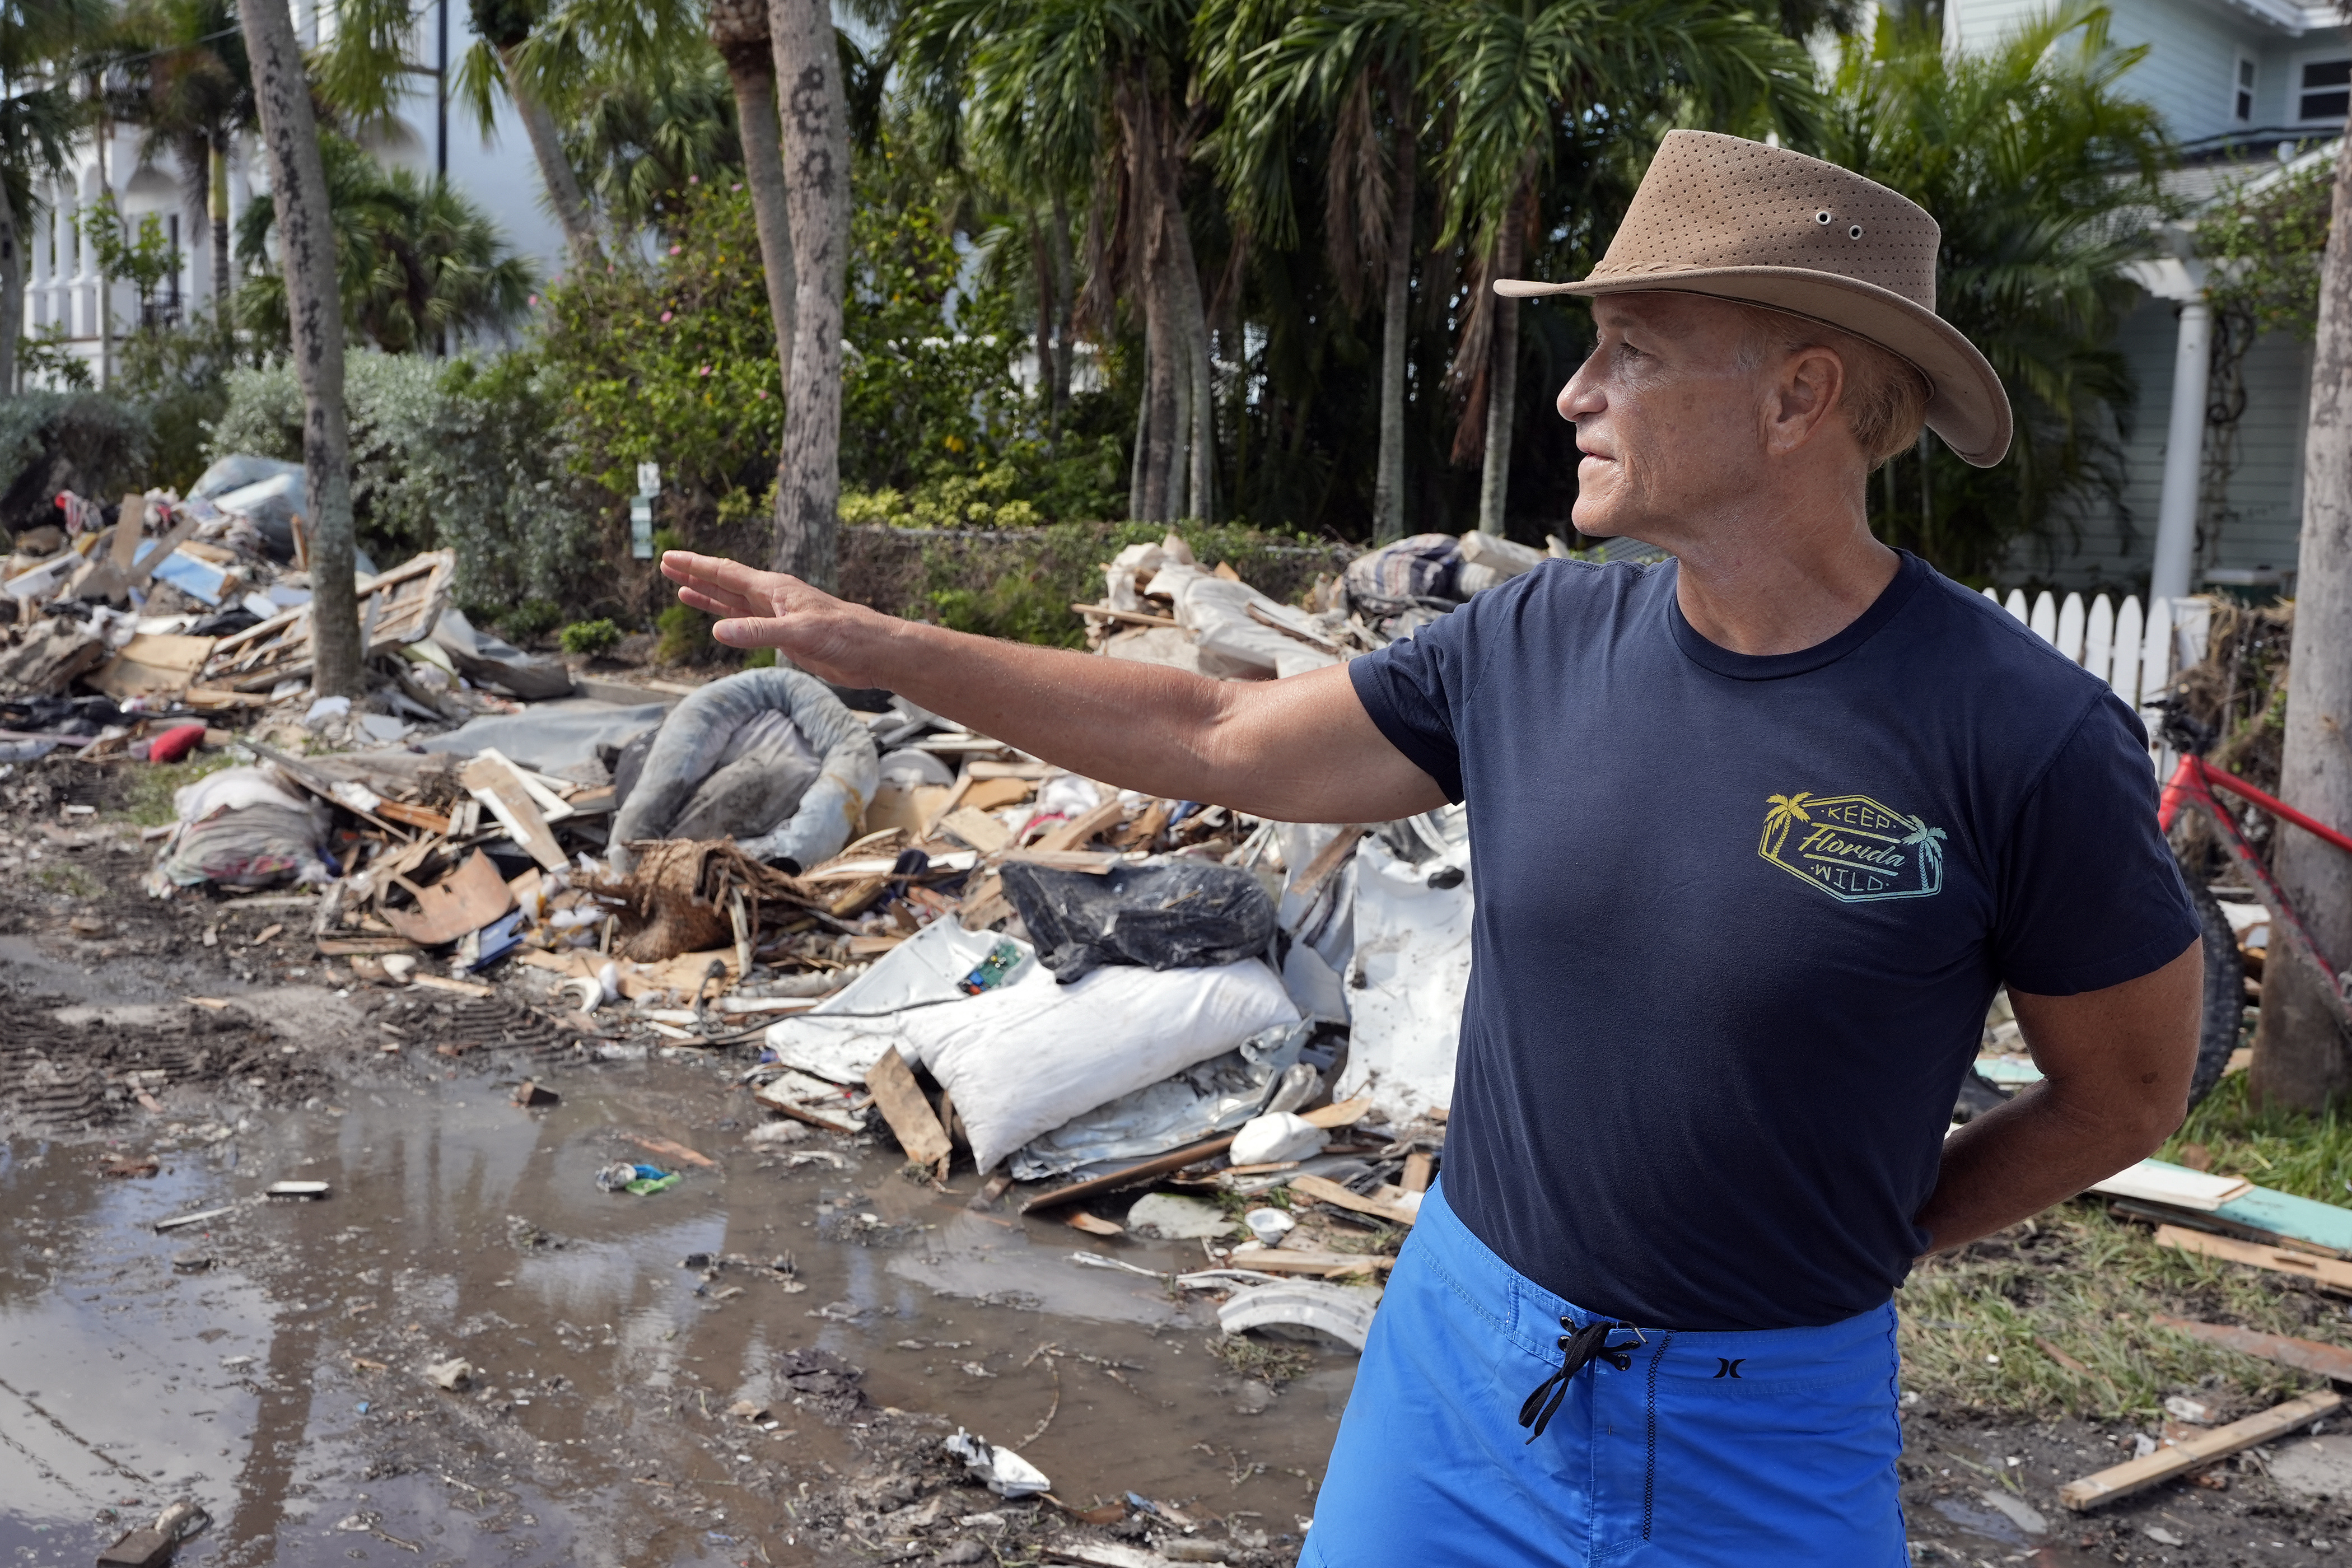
x=1739, y=220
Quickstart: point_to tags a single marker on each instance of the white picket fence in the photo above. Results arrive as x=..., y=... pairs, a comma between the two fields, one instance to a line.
x=2137, y=653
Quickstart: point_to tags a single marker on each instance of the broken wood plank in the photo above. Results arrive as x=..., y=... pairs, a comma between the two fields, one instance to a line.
x=977, y=828
x=1074, y=833
x=1324, y=1190
x=2328, y=1273
x=1132, y=617
x=1273, y=622
x=409, y=815
x=1127, y=1175
x=1095, y=863
x=1417, y=1169
x=2304, y=1355
x=2139, y=1475
x=910, y=1117
x=667, y=1150
x=1328, y=860
x=466, y=899
x=1297, y=1260
x=492, y=781
x=462, y=987
x=1346, y=1114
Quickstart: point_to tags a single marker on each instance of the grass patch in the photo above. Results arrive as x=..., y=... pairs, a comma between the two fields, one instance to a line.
x=2289, y=1151
x=1270, y=1363
x=70, y=881
x=145, y=790
x=1973, y=1323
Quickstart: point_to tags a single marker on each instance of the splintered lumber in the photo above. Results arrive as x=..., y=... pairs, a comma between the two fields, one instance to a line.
x=1331, y=857
x=902, y=1105
x=669, y=1151
x=1132, y=617
x=1346, y=1114
x=1324, y=1190
x=2328, y=1273
x=468, y=899
x=2304, y=1355
x=1074, y=834
x=2139, y=1475
x=1290, y=1261
x=494, y=783
x=1159, y=1165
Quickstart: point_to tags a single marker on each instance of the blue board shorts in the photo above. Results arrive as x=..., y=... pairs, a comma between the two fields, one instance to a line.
x=1767, y=1447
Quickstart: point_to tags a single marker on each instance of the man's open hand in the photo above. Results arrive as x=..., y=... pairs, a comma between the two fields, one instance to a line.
x=768, y=609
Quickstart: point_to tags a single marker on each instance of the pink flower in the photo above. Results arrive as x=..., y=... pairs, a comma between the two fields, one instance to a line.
x=704, y=371
x=534, y=299
x=736, y=186
x=763, y=395
x=664, y=318
x=676, y=248
x=694, y=179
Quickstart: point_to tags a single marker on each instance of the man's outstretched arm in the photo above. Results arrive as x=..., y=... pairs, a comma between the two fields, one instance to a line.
x=1301, y=749
x=2115, y=1064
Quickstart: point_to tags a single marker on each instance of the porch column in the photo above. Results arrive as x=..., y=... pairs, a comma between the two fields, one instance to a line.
x=2184, y=453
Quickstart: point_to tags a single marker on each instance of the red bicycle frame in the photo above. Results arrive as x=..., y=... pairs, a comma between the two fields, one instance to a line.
x=2192, y=786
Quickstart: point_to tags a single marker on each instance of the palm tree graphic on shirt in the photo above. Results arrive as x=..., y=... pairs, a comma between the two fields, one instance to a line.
x=1856, y=849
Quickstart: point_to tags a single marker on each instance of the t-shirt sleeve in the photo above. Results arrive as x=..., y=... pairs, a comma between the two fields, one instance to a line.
x=2090, y=896
x=1413, y=689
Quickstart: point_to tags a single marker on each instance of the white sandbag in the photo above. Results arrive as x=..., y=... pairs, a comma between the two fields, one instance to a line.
x=843, y=1035
x=1025, y=1060
x=1412, y=977
x=1275, y=1137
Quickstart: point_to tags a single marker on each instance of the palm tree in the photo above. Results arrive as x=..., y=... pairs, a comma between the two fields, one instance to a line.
x=1522, y=79
x=415, y=259
x=1093, y=93
x=640, y=141
x=2044, y=175
x=1929, y=842
x=497, y=62
x=306, y=248
x=739, y=31
x=816, y=163
x=1330, y=65
x=188, y=84
x=38, y=119
x=1786, y=809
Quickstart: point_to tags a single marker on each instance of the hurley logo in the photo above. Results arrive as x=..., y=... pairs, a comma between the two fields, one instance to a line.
x=1852, y=847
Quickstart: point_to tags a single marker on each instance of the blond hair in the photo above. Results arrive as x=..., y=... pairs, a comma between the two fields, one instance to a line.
x=1886, y=396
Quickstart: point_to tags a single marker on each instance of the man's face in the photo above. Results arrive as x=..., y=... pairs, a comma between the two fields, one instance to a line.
x=1667, y=415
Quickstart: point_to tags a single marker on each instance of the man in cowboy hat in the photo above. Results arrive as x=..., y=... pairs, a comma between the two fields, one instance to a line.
x=1759, y=833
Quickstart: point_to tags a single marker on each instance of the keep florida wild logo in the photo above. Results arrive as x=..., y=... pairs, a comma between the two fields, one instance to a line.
x=1852, y=847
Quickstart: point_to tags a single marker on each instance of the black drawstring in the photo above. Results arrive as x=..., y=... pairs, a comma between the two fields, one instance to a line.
x=1581, y=1346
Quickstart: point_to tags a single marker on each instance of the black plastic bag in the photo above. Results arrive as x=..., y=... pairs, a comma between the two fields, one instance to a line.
x=1185, y=914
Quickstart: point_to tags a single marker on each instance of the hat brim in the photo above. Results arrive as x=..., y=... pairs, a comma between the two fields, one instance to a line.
x=1967, y=405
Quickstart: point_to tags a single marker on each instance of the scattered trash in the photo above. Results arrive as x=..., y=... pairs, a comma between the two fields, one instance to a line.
x=1182, y=915
x=1301, y=1309
x=203, y=1216
x=2163, y=1463
x=1277, y=1136
x=2017, y=1511
x=151, y=1545
x=309, y=1191
x=1001, y=1470
x=1093, y=1224
x=638, y=1181
x=772, y=1134
x=1167, y=1216
x=454, y=1375
x=1269, y=1225
x=535, y=1095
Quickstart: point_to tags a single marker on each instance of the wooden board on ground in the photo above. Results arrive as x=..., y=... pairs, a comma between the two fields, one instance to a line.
x=669, y=1151
x=2139, y=1475
x=1297, y=1260
x=909, y=1115
x=493, y=782
x=2328, y=1273
x=1074, y=833
x=1323, y=1190
x=466, y=899
x=995, y=795
x=971, y=825
x=1346, y=1114
x=153, y=663
x=2304, y=1355
x=813, y=1101
x=400, y=607
x=1127, y=1175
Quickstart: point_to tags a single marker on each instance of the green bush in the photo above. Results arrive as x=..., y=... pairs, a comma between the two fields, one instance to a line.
x=586, y=640
x=683, y=636
x=460, y=454
x=86, y=442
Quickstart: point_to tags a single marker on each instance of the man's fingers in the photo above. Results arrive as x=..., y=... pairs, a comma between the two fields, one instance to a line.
x=752, y=631
x=723, y=579
x=717, y=604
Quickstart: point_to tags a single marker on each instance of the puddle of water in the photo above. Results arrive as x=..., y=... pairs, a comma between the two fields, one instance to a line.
x=596, y=1428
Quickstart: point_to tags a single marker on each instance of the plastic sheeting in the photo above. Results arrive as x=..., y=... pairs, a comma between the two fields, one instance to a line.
x=770, y=818
x=1231, y=643
x=1320, y=928
x=552, y=737
x=489, y=660
x=1409, y=976
x=1178, y=914
x=1208, y=1097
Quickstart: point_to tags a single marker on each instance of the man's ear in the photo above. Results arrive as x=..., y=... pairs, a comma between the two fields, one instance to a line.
x=1811, y=384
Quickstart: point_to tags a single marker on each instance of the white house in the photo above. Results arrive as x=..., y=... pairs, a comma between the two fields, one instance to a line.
x=430, y=133
x=2246, y=86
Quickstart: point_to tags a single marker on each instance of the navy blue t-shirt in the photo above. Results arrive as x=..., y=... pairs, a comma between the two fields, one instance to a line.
x=1740, y=919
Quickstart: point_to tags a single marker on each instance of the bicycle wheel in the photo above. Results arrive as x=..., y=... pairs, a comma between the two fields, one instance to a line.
x=2225, y=990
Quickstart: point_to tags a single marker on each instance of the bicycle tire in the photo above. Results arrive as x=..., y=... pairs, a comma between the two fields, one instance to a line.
x=2225, y=990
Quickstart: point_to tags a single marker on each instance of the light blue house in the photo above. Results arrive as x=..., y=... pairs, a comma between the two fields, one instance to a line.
x=2248, y=88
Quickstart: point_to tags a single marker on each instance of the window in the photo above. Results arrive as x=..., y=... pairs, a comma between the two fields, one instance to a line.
x=2242, y=92
x=2326, y=90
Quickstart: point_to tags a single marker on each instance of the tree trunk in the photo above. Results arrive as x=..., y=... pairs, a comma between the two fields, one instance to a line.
x=1137, y=454
x=816, y=171
x=1144, y=130
x=1503, y=374
x=306, y=248
x=2300, y=1057
x=752, y=70
x=1180, y=452
x=218, y=206
x=12, y=292
x=1388, y=482
x=1200, y=400
x=1047, y=299
x=1064, y=308
x=563, y=192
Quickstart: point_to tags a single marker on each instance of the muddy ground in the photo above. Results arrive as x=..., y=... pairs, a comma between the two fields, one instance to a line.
x=757, y=1366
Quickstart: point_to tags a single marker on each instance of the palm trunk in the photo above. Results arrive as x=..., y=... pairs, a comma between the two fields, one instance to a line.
x=1144, y=130
x=1179, y=455
x=1137, y=455
x=1388, y=483
x=1503, y=373
x=1200, y=398
x=12, y=292
x=2299, y=1055
x=817, y=169
x=752, y=70
x=306, y=248
x=1066, y=305
x=1047, y=299
x=223, y=279
x=563, y=192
